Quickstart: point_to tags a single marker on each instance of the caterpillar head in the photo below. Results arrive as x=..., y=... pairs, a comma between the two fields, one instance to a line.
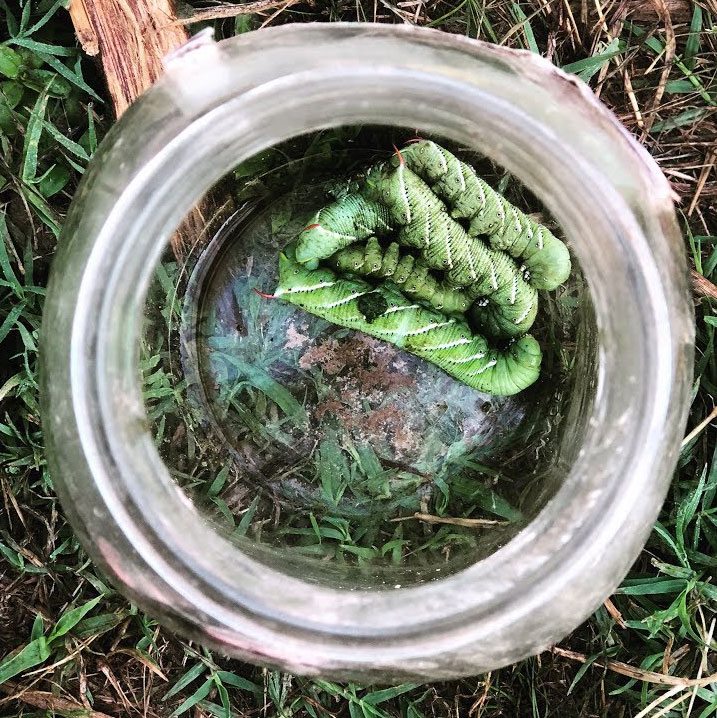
x=294, y=276
x=386, y=184
x=423, y=157
x=310, y=245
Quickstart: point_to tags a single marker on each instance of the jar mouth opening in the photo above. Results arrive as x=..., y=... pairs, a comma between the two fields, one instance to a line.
x=630, y=398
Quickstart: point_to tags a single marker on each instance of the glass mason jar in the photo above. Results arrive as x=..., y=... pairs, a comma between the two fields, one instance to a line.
x=624, y=414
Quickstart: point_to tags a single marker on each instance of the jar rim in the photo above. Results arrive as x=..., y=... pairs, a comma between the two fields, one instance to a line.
x=106, y=399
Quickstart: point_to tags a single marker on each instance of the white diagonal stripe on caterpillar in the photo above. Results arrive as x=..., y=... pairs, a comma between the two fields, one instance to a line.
x=298, y=290
x=392, y=310
x=479, y=355
x=487, y=366
x=449, y=256
x=523, y=316
x=404, y=191
x=338, y=235
x=472, y=265
x=444, y=161
x=480, y=187
x=463, y=179
x=345, y=300
x=500, y=212
x=514, y=290
x=447, y=345
x=518, y=225
x=493, y=276
x=420, y=330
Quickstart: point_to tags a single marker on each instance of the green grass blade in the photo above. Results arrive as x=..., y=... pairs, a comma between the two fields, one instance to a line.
x=522, y=18
x=232, y=679
x=33, y=654
x=5, y=264
x=35, y=46
x=10, y=320
x=200, y=694
x=589, y=66
x=63, y=70
x=387, y=694
x=66, y=142
x=32, y=137
x=692, y=46
x=687, y=117
x=191, y=675
x=44, y=19
x=259, y=379
x=71, y=619
x=13, y=26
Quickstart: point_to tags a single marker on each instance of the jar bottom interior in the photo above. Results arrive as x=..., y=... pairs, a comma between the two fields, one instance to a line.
x=323, y=451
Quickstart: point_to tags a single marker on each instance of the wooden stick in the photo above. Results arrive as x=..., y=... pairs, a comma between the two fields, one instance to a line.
x=220, y=12
x=702, y=286
x=83, y=27
x=46, y=701
x=700, y=427
x=469, y=523
x=131, y=38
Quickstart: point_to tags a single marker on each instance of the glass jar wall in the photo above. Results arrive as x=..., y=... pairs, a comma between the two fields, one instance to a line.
x=566, y=470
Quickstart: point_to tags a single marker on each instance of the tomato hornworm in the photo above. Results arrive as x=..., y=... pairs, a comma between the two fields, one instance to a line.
x=418, y=201
x=396, y=198
x=509, y=303
x=470, y=198
x=384, y=312
x=339, y=224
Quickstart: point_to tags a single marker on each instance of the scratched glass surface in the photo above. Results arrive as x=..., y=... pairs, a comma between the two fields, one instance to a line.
x=298, y=434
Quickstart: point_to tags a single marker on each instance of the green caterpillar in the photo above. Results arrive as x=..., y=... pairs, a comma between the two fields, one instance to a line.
x=385, y=313
x=509, y=303
x=544, y=256
x=350, y=219
x=410, y=196
x=413, y=275
x=399, y=197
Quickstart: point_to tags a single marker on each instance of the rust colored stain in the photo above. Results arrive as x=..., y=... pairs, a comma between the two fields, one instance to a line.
x=370, y=380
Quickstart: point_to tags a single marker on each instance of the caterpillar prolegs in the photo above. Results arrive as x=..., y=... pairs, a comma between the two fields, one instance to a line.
x=412, y=275
x=470, y=198
x=386, y=314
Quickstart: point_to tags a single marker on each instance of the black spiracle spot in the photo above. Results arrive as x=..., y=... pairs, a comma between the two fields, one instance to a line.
x=372, y=305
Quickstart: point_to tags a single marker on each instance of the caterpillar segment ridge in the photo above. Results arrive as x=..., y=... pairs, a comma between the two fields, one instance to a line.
x=411, y=274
